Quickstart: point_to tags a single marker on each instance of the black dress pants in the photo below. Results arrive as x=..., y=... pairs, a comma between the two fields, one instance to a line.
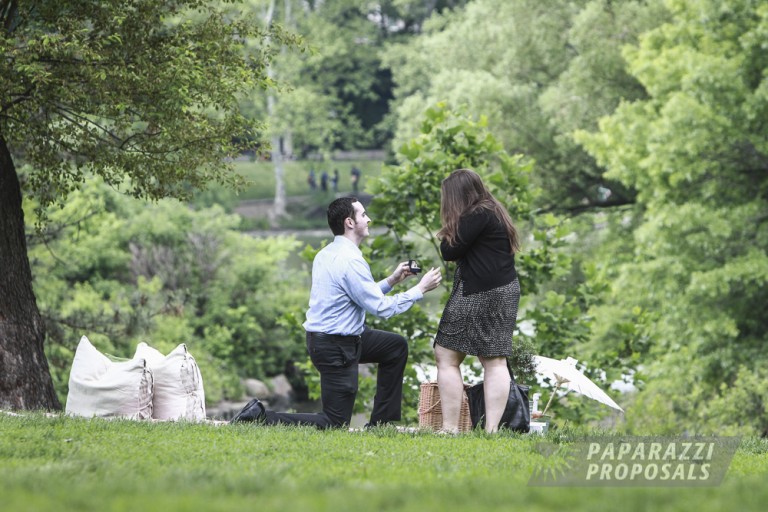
x=337, y=359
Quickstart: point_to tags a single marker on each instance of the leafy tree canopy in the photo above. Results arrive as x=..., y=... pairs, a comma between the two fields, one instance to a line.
x=537, y=71
x=691, y=291
x=141, y=93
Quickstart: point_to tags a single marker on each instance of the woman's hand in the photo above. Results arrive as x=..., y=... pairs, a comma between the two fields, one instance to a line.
x=430, y=281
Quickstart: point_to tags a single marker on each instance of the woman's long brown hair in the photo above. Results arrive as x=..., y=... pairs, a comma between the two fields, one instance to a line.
x=463, y=191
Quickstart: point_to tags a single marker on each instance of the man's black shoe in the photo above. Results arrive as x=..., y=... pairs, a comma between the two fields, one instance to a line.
x=380, y=424
x=253, y=411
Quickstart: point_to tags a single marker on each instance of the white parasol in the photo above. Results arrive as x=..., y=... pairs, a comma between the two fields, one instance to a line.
x=565, y=374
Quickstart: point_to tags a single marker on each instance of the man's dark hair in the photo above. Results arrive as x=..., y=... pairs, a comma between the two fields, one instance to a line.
x=338, y=211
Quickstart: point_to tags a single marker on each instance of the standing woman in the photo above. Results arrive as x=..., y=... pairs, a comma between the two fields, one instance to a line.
x=481, y=314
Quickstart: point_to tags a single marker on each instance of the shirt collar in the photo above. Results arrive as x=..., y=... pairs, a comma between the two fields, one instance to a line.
x=347, y=243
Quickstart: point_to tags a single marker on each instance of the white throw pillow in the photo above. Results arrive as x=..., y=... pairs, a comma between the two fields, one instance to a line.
x=179, y=393
x=100, y=387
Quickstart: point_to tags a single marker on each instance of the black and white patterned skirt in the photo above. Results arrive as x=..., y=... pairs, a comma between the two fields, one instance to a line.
x=480, y=324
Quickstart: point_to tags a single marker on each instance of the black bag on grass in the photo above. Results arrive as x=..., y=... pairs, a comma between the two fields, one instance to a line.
x=517, y=414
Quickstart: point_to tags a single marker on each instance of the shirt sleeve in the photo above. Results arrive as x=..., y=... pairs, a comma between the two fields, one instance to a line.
x=384, y=286
x=470, y=227
x=369, y=295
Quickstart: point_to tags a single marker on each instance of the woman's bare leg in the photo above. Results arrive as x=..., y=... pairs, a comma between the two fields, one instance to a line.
x=496, y=381
x=450, y=384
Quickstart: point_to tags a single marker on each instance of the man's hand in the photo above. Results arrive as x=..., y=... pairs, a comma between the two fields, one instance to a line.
x=430, y=281
x=401, y=273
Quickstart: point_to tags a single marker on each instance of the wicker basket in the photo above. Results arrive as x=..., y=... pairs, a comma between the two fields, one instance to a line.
x=431, y=413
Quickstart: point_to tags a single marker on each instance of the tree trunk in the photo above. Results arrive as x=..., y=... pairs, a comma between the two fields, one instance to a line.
x=278, y=209
x=25, y=380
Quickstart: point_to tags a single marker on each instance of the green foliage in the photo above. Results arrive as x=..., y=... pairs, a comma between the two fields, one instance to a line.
x=744, y=405
x=337, y=91
x=537, y=71
x=356, y=92
x=407, y=196
x=120, y=272
x=246, y=303
x=144, y=98
x=69, y=464
x=692, y=284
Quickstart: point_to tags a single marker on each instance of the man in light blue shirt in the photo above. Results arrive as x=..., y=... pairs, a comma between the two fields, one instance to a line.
x=343, y=290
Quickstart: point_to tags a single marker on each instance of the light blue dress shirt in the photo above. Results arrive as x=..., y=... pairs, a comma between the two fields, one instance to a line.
x=343, y=290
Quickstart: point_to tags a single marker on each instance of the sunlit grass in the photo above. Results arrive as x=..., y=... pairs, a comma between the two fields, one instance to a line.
x=59, y=463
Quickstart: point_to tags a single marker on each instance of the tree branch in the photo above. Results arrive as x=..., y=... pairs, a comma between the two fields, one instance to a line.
x=589, y=207
x=76, y=121
x=18, y=99
x=49, y=235
x=94, y=327
x=8, y=13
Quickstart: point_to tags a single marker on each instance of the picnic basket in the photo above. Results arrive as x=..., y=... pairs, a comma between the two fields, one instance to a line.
x=431, y=413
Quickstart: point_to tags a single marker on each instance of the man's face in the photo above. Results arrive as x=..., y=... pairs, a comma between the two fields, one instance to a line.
x=360, y=220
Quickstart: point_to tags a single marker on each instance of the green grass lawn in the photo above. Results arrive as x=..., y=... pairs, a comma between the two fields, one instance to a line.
x=60, y=463
x=303, y=204
x=261, y=176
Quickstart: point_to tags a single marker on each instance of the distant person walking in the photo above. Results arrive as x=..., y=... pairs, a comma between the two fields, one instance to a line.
x=311, y=180
x=335, y=180
x=324, y=182
x=355, y=177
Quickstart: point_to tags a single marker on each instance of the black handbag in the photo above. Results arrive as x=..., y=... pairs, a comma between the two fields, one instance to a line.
x=517, y=414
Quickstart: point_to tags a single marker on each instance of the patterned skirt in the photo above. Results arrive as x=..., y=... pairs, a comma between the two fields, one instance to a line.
x=480, y=324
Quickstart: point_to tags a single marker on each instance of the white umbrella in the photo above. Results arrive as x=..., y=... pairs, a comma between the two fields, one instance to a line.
x=565, y=374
